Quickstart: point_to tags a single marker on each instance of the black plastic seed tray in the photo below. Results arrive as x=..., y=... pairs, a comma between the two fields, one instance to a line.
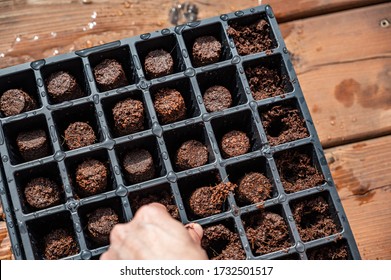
x=301, y=216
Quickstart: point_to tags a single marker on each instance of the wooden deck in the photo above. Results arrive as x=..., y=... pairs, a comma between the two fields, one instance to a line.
x=341, y=51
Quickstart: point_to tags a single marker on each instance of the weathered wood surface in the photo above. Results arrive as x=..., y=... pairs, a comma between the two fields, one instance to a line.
x=361, y=172
x=343, y=62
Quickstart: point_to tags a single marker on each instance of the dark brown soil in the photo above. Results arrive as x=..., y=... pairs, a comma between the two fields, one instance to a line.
x=297, y=171
x=158, y=63
x=169, y=105
x=253, y=187
x=79, y=134
x=313, y=218
x=91, y=177
x=100, y=223
x=62, y=86
x=267, y=232
x=191, y=154
x=220, y=243
x=209, y=200
x=109, y=74
x=59, y=243
x=139, y=166
x=128, y=116
x=33, y=144
x=235, y=143
x=251, y=38
x=16, y=101
x=217, y=98
x=265, y=83
x=206, y=50
x=283, y=124
x=164, y=197
x=332, y=251
x=42, y=193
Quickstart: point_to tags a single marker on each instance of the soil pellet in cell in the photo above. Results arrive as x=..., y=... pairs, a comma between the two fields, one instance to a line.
x=265, y=82
x=42, y=192
x=79, y=134
x=332, y=251
x=128, y=116
x=206, y=50
x=109, y=74
x=169, y=105
x=59, y=243
x=158, y=63
x=254, y=187
x=191, y=154
x=62, y=86
x=209, y=200
x=283, y=124
x=251, y=38
x=217, y=98
x=297, y=171
x=16, y=101
x=220, y=243
x=161, y=196
x=100, y=223
x=235, y=143
x=33, y=144
x=91, y=177
x=267, y=232
x=139, y=166
x=313, y=218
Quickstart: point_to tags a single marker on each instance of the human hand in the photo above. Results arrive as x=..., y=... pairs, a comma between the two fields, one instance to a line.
x=154, y=234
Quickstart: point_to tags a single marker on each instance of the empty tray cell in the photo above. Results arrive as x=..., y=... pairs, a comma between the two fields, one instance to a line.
x=161, y=194
x=189, y=147
x=337, y=250
x=222, y=242
x=299, y=168
x=140, y=160
x=53, y=237
x=283, y=122
x=267, y=231
x=65, y=80
x=90, y=173
x=236, y=134
x=207, y=44
x=252, y=34
x=221, y=89
x=98, y=219
x=254, y=180
x=315, y=217
x=39, y=187
x=126, y=113
x=113, y=68
x=28, y=139
x=267, y=77
x=204, y=194
x=77, y=126
x=174, y=101
x=18, y=93
x=160, y=56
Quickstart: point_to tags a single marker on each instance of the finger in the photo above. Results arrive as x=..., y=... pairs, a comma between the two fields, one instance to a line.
x=195, y=231
x=108, y=255
x=152, y=213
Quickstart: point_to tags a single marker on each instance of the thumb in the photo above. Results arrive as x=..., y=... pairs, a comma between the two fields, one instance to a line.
x=196, y=232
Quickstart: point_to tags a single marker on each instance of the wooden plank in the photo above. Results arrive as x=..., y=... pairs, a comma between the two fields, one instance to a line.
x=30, y=32
x=344, y=72
x=292, y=10
x=5, y=244
x=362, y=173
